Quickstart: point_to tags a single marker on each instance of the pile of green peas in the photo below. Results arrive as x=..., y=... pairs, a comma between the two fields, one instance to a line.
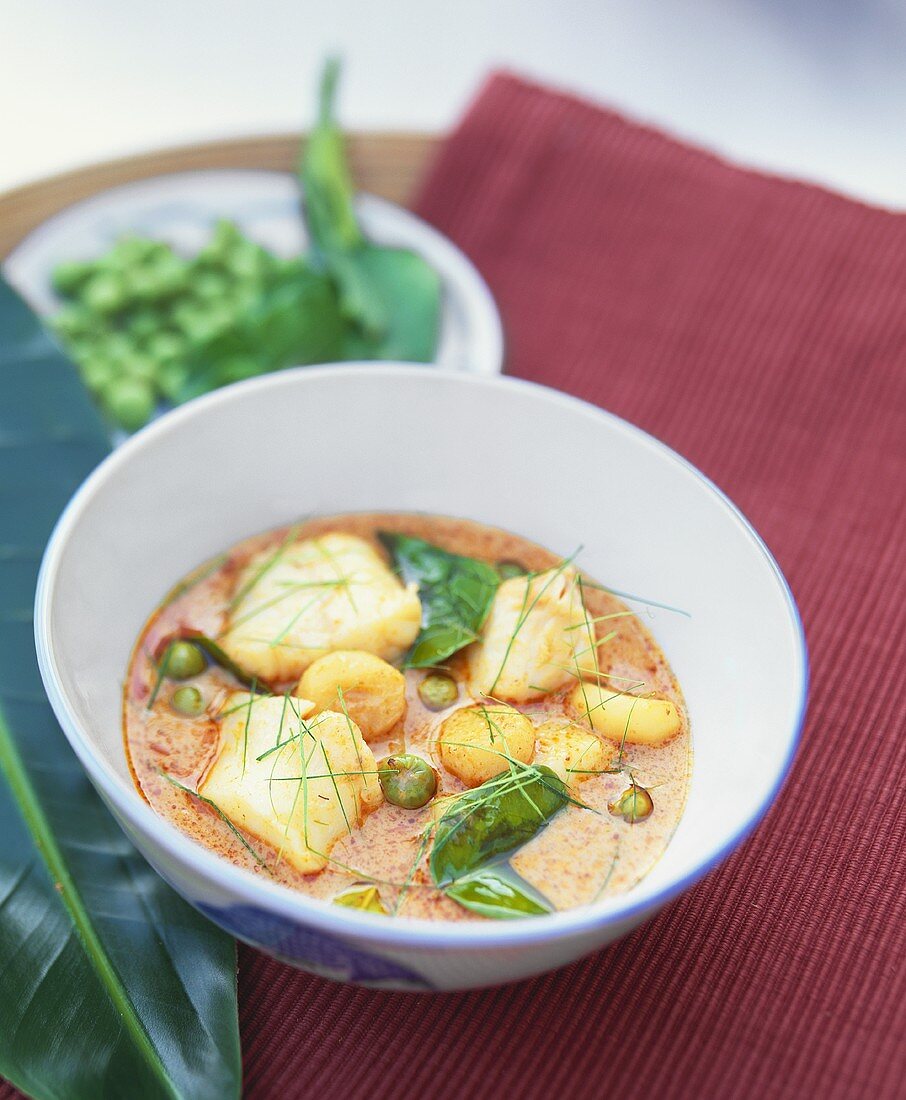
x=135, y=318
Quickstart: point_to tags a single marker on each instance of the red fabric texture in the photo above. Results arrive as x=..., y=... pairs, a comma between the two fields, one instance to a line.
x=759, y=327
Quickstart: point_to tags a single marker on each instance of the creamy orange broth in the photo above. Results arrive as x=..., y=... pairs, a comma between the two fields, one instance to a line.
x=578, y=858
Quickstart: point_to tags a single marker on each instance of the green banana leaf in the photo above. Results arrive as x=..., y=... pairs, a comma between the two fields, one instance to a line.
x=110, y=984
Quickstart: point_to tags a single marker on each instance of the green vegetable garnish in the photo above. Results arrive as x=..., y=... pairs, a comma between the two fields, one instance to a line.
x=493, y=819
x=324, y=170
x=365, y=898
x=391, y=295
x=496, y=896
x=296, y=321
x=146, y=325
x=455, y=593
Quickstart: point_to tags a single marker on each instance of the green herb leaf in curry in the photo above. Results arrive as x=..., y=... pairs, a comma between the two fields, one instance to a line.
x=455, y=593
x=496, y=895
x=494, y=819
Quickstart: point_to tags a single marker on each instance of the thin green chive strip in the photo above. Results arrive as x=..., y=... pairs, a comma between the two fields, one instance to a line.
x=217, y=810
x=266, y=565
x=161, y=673
x=245, y=732
x=297, y=586
x=638, y=599
x=598, y=618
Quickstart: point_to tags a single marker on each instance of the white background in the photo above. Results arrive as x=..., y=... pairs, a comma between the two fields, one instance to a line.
x=816, y=88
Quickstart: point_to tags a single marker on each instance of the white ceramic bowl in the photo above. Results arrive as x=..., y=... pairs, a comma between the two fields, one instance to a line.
x=395, y=437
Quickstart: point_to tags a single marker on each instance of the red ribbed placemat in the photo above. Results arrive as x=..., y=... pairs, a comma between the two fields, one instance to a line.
x=758, y=326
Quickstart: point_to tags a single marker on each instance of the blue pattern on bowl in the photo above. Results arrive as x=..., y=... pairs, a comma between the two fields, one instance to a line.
x=320, y=952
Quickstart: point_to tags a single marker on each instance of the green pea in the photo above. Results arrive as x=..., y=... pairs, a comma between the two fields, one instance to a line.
x=80, y=349
x=74, y=321
x=130, y=252
x=117, y=346
x=171, y=378
x=221, y=314
x=183, y=660
x=97, y=372
x=188, y=701
x=139, y=366
x=225, y=237
x=164, y=347
x=438, y=691
x=407, y=780
x=170, y=274
x=144, y=323
x=634, y=804
x=210, y=286
x=69, y=277
x=508, y=569
x=105, y=292
x=129, y=402
x=199, y=323
x=142, y=283
x=246, y=260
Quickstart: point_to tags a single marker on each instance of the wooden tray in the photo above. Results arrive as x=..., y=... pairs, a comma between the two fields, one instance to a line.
x=386, y=164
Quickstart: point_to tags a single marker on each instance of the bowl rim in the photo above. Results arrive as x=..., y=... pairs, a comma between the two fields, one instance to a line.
x=273, y=897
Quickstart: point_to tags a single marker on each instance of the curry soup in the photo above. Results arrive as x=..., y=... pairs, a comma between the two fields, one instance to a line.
x=415, y=715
